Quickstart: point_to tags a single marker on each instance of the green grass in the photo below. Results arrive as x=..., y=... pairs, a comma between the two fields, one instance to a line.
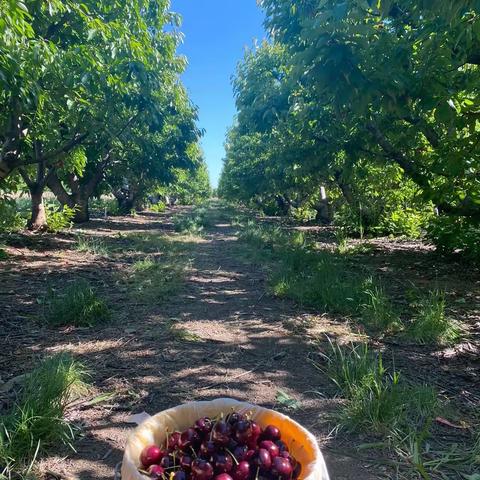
x=92, y=245
x=152, y=280
x=318, y=279
x=78, y=304
x=348, y=366
x=379, y=400
x=431, y=325
x=377, y=310
x=195, y=222
x=36, y=422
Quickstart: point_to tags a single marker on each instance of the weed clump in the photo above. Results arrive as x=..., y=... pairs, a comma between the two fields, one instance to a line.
x=77, y=305
x=431, y=325
x=36, y=422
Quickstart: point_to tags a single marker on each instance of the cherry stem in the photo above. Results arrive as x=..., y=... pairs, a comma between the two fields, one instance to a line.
x=232, y=455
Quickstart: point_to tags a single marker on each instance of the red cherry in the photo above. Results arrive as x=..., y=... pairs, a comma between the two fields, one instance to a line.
x=222, y=463
x=262, y=460
x=270, y=447
x=201, y=469
x=223, y=476
x=151, y=455
x=281, y=467
x=241, y=471
x=174, y=440
x=272, y=433
x=256, y=429
x=156, y=471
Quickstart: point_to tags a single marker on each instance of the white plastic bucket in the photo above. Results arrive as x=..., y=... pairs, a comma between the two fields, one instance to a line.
x=301, y=442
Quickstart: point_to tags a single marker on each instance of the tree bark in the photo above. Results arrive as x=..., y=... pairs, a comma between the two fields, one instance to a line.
x=38, y=218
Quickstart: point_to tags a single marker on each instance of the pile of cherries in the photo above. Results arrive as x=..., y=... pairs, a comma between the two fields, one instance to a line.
x=230, y=448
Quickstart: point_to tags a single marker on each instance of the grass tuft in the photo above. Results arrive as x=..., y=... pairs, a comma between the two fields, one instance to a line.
x=377, y=310
x=431, y=325
x=378, y=401
x=36, y=422
x=78, y=305
x=154, y=280
x=92, y=245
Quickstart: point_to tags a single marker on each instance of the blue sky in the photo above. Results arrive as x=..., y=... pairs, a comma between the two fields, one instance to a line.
x=216, y=34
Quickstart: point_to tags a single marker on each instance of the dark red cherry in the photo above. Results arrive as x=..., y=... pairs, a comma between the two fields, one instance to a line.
x=270, y=447
x=223, y=476
x=156, y=471
x=286, y=455
x=207, y=449
x=272, y=433
x=151, y=455
x=234, y=418
x=240, y=452
x=241, y=471
x=262, y=460
x=282, y=446
x=166, y=462
x=250, y=454
x=281, y=467
x=180, y=475
x=189, y=438
x=185, y=462
x=243, y=431
x=174, y=441
x=201, y=469
x=221, y=433
x=222, y=463
x=297, y=469
x=204, y=425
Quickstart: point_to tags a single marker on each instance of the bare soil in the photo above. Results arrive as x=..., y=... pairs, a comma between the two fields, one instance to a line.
x=240, y=341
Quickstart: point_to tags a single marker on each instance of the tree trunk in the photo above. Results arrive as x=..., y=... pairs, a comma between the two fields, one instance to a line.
x=82, y=212
x=38, y=219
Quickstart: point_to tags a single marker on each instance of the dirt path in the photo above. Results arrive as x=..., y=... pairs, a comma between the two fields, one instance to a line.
x=239, y=347
x=228, y=339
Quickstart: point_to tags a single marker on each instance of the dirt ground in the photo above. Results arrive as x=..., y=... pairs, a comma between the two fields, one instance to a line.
x=241, y=342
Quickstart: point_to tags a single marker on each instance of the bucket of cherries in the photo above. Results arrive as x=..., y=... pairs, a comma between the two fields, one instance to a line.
x=222, y=440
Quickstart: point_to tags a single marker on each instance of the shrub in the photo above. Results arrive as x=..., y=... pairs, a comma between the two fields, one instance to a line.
x=431, y=324
x=59, y=219
x=104, y=206
x=78, y=304
x=10, y=219
x=159, y=207
x=193, y=223
x=36, y=422
x=456, y=234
